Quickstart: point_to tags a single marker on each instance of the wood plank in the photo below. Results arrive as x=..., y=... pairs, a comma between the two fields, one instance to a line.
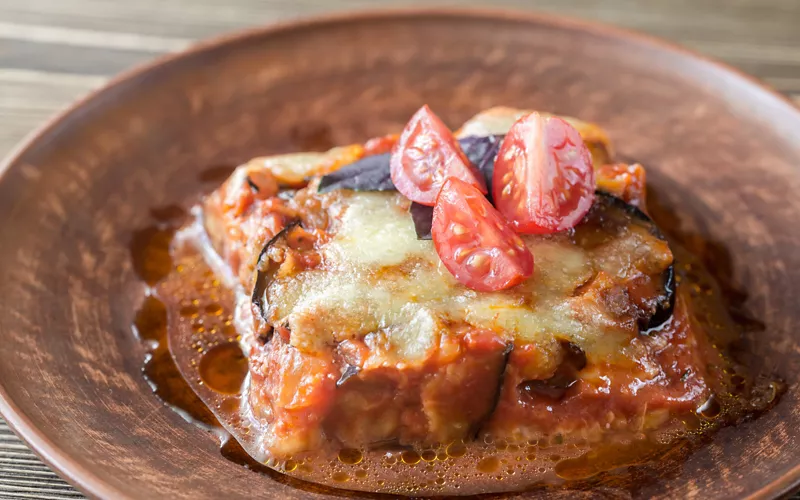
x=60, y=58
x=89, y=38
x=28, y=98
x=779, y=66
x=748, y=20
x=23, y=475
x=760, y=37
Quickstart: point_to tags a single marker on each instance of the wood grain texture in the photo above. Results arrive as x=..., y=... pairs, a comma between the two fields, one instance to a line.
x=53, y=51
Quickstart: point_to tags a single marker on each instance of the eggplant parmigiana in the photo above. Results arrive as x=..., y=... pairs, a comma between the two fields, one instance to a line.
x=500, y=284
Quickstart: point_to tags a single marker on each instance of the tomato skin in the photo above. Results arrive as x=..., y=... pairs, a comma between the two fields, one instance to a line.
x=380, y=145
x=474, y=241
x=543, y=179
x=425, y=155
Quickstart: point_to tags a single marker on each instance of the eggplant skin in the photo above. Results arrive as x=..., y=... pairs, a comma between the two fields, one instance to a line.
x=566, y=375
x=422, y=216
x=372, y=173
x=264, y=271
x=632, y=210
x=479, y=425
x=666, y=306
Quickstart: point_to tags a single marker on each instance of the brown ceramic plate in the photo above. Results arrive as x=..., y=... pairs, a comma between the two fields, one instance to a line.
x=723, y=154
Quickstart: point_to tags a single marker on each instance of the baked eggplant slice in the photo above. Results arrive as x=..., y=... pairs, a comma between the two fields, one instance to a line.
x=653, y=294
x=370, y=173
x=265, y=269
x=565, y=376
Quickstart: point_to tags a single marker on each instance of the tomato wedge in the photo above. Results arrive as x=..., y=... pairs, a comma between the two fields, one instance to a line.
x=426, y=154
x=543, y=178
x=475, y=242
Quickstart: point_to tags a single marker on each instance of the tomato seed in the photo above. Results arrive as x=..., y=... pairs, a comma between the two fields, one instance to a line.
x=478, y=261
x=460, y=254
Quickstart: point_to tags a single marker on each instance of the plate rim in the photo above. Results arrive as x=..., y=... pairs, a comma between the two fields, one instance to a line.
x=94, y=486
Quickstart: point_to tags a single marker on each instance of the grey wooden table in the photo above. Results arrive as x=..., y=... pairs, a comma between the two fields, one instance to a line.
x=53, y=51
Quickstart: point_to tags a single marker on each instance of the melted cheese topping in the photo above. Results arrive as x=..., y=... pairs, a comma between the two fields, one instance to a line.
x=377, y=279
x=375, y=232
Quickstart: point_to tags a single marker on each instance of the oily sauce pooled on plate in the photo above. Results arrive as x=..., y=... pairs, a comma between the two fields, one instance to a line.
x=191, y=315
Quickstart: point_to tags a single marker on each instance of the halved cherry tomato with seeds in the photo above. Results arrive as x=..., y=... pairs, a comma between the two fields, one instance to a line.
x=427, y=154
x=543, y=178
x=475, y=242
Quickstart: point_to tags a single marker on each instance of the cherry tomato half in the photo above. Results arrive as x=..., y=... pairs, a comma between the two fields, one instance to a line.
x=543, y=178
x=475, y=242
x=427, y=154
